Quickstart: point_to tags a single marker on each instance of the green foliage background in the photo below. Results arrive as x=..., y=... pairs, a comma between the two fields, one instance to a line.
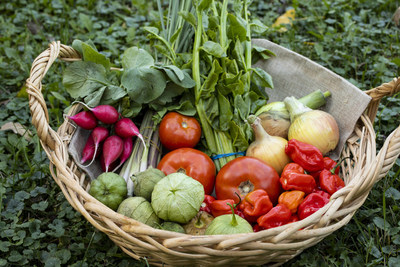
x=38, y=227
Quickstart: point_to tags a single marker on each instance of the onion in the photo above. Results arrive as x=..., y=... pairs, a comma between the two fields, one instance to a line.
x=270, y=149
x=315, y=127
x=275, y=118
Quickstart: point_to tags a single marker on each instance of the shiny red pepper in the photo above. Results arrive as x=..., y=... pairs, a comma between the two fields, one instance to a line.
x=329, y=164
x=205, y=206
x=330, y=182
x=294, y=178
x=277, y=216
x=257, y=228
x=312, y=203
x=307, y=156
x=255, y=204
x=220, y=207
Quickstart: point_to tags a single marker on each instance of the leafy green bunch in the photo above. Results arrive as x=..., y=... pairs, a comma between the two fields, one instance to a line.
x=139, y=82
x=228, y=89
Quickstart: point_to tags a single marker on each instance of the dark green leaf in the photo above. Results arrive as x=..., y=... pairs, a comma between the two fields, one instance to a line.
x=189, y=17
x=238, y=136
x=236, y=28
x=81, y=78
x=225, y=112
x=143, y=84
x=94, y=98
x=135, y=57
x=213, y=49
x=90, y=54
x=261, y=78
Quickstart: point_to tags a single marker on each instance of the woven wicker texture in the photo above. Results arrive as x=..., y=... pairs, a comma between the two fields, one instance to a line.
x=274, y=246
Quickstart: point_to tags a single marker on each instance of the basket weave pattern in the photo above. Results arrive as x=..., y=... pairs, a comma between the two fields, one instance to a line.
x=274, y=246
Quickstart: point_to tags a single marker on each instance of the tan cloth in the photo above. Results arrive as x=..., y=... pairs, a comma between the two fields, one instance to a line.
x=296, y=75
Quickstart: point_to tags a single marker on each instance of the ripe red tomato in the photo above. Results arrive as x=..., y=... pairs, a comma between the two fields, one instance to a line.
x=245, y=174
x=193, y=163
x=177, y=130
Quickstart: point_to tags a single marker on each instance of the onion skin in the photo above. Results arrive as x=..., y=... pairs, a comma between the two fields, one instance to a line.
x=275, y=117
x=315, y=127
x=270, y=149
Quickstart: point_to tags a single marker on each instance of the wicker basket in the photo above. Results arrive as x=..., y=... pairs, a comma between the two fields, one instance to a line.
x=274, y=246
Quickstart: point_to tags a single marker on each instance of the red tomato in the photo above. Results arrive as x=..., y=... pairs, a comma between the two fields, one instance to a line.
x=193, y=163
x=245, y=174
x=178, y=131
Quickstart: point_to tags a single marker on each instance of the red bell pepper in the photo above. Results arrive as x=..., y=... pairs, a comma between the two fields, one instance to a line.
x=220, y=207
x=277, y=216
x=205, y=206
x=330, y=182
x=257, y=228
x=291, y=199
x=294, y=178
x=312, y=203
x=255, y=204
x=329, y=164
x=307, y=156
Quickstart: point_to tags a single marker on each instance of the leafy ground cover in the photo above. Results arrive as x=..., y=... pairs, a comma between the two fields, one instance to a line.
x=356, y=39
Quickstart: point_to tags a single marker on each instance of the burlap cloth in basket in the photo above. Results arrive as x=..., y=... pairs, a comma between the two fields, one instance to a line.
x=274, y=246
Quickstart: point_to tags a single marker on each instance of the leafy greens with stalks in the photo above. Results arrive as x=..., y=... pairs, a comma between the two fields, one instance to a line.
x=227, y=88
x=141, y=82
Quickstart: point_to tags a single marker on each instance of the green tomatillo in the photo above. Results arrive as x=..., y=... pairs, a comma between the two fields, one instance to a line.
x=229, y=224
x=109, y=188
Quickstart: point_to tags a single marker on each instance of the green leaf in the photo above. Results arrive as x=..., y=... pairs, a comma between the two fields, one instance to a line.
x=143, y=84
x=261, y=78
x=94, y=98
x=175, y=36
x=178, y=76
x=392, y=192
x=41, y=206
x=236, y=28
x=204, y=4
x=211, y=109
x=81, y=78
x=213, y=49
x=242, y=105
x=152, y=30
x=210, y=82
x=225, y=112
x=257, y=27
x=112, y=94
x=189, y=17
x=135, y=57
x=90, y=54
x=238, y=137
x=86, y=21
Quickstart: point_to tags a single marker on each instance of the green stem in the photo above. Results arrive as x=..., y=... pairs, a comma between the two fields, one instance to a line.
x=248, y=41
x=234, y=221
x=196, y=57
x=295, y=107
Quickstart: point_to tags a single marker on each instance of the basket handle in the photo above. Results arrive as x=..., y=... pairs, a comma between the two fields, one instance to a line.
x=386, y=89
x=37, y=104
x=390, y=150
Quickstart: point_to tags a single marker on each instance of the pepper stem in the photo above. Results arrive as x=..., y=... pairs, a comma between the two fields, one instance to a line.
x=234, y=221
x=337, y=165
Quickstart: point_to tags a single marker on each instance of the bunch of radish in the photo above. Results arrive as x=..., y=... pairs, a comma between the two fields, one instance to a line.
x=110, y=137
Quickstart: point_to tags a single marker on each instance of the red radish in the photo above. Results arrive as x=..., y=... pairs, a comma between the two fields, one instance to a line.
x=112, y=149
x=85, y=120
x=88, y=150
x=126, y=128
x=112, y=166
x=105, y=113
x=99, y=134
x=126, y=152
